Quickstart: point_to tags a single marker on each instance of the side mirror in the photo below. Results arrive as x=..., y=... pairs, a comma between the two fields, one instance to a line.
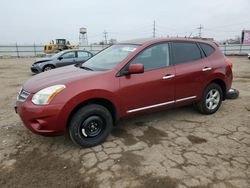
x=136, y=68
x=60, y=58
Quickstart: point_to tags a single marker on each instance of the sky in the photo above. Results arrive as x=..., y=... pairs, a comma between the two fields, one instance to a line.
x=40, y=21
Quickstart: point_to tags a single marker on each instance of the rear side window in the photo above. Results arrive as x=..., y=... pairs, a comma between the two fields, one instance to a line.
x=184, y=52
x=82, y=54
x=208, y=50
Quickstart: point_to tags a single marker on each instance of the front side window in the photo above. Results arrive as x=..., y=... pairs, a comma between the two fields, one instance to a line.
x=69, y=55
x=110, y=57
x=154, y=57
x=185, y=52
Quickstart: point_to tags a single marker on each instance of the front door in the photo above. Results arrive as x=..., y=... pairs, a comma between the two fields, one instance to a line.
x=68, y=58
x=152, y=89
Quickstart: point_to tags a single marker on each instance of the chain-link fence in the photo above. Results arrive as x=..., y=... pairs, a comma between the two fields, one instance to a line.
x=235, y=49
x=37, y=50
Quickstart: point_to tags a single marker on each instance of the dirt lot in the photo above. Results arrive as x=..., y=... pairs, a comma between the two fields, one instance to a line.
x=175, y=149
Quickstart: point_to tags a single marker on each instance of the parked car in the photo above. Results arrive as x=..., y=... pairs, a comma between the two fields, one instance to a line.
x=248, y=55
x=124, y=80
x=63, y=58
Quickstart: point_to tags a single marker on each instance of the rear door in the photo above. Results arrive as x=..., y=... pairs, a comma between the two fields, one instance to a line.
x=152, y=89
x=192, y=71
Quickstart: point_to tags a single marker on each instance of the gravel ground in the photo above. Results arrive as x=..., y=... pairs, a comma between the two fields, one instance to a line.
x=176, y=148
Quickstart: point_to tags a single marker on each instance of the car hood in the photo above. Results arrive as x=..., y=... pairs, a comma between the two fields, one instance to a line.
x=45, y=59
x=62, y=75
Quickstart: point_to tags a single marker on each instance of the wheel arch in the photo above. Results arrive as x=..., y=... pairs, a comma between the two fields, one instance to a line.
x=101, y=101
x=222, y=84
x=49, y=64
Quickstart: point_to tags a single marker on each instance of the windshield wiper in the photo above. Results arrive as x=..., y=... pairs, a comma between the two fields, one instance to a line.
x=86, y=68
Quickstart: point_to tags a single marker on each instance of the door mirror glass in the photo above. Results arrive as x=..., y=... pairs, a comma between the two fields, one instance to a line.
x=136, y=68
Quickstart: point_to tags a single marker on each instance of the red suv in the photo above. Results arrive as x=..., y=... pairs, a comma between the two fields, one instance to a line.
x=126, y=79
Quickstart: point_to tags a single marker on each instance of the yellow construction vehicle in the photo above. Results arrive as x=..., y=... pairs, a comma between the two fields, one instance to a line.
x=59, y=45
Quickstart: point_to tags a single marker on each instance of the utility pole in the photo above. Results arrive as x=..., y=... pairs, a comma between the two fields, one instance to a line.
x=154, y=30
x=200, y=28
x=105, y=34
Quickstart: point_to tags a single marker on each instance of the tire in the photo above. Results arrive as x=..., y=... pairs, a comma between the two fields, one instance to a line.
x=232, y=94
x=211, y=99
x=90, y=125
x=48, y=67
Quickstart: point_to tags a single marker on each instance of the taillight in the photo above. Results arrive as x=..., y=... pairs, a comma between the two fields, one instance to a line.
x=229, y=62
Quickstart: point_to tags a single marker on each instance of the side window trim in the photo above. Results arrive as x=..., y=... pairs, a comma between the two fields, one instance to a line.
x=205, y=55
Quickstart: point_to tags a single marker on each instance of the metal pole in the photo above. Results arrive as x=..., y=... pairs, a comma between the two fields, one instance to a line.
x=105, y=33
x=35, y=49
x=240, y=48
x=17, y=51
x=154, y=30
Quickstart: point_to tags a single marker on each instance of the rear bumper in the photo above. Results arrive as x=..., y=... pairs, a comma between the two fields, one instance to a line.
x=42, y=120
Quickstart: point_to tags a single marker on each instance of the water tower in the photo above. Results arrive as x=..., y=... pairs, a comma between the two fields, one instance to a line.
x=83, y=40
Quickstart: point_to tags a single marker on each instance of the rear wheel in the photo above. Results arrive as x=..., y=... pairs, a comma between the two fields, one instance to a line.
x=48, y=67
x=90, y=125
x=211, y=99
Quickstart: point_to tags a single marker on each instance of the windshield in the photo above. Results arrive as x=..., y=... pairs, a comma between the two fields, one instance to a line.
x=110, y=57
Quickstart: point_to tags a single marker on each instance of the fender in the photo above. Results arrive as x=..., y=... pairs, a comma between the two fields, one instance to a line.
x=85, y=96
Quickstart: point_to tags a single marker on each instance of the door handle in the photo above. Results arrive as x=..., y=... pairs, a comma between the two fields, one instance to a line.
x=168, y=76
x=206, y=69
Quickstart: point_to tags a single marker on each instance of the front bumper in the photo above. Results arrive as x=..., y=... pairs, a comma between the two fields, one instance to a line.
x=42, y=120
x=35, y=69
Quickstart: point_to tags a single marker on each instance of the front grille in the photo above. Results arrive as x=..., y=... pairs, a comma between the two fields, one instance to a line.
x=22, y=95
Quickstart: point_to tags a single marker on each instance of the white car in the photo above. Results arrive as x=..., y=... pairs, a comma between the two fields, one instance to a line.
x=248, y=56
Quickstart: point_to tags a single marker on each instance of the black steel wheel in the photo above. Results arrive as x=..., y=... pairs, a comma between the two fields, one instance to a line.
x=90, y=125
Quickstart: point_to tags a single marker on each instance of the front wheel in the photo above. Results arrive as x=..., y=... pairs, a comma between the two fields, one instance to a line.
x=211, y=99
x=90, y=125
x=48, y=67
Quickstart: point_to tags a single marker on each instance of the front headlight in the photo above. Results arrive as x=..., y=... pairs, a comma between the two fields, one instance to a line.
x=45, y=95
